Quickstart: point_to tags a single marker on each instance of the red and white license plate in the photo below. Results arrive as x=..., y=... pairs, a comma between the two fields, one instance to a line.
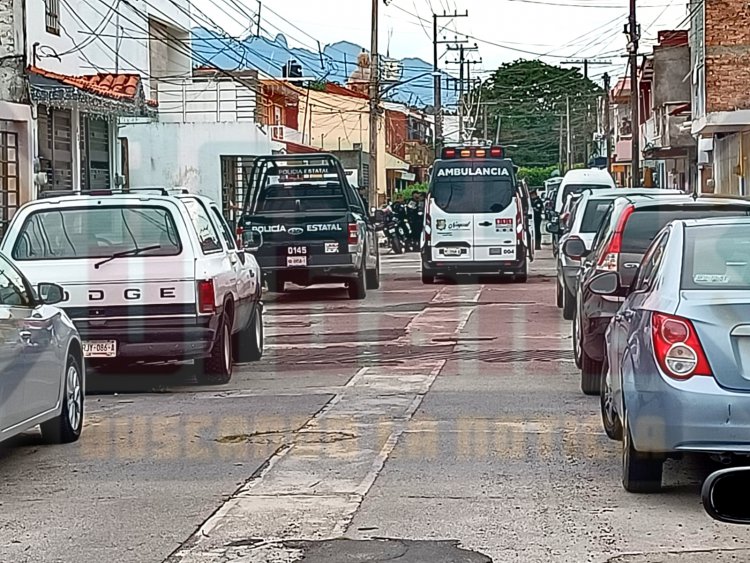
x=296, y=260
x=100, y=349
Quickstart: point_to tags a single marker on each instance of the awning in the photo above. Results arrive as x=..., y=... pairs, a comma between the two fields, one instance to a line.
x=116, y=95
x=722, y=122
x=395, y=163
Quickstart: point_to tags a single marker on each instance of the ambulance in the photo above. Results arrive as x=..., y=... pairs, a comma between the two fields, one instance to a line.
x=474, y=217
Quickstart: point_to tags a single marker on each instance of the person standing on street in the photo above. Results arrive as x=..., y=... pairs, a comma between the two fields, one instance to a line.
x=538, y=206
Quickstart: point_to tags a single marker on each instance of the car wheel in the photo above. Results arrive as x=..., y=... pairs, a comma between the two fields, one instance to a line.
x=559, y=296
x=568, y=305
x=610, y=420
x=641, y=472
x=217, y=368
x=276, y=285
x=428, y=278
x=577, y=340
x=523, y=273
x=249, y=342
x=357, y=286
x=66, y=427
x=373, y=276
x=591, y=374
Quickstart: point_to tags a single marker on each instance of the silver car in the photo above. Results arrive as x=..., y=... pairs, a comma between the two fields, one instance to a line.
x=42, y=378
x=677, y=372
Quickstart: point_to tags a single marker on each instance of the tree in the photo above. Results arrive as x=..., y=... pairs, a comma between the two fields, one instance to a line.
x=527, y=99
x=535, y=176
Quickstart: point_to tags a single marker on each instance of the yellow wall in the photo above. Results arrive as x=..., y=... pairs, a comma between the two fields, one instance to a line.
x=337, y=122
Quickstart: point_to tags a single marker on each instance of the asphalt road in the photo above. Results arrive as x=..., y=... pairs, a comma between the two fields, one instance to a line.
x=423, y=414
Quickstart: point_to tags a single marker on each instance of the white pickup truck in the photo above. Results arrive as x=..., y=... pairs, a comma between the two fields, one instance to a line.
x=147, y=277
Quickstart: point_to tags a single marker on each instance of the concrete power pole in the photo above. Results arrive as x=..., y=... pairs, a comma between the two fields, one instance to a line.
x=562, y=129
x=462, y=64
x=634, y=33
x=372, y=184
x=438, y=81
x=607, y=124
x=568, y=136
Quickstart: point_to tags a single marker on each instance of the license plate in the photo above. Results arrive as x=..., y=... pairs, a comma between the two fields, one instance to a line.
x=100, y=349
x=452, y=252
x=296, y=261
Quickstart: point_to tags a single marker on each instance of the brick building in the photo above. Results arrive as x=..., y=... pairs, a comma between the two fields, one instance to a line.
x=720, y=70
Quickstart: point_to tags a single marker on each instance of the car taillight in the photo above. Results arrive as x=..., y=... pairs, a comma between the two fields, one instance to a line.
x=677, y=347
x=610, y=260
x=353, y=233
x=240, y=232
x=519, y=221
x=206, y=303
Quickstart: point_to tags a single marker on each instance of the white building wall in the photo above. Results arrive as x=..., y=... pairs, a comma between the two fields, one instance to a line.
x=188, y=154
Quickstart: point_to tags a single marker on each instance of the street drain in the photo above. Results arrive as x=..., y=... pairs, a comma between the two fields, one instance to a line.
x=384, y=550
x=306, y=437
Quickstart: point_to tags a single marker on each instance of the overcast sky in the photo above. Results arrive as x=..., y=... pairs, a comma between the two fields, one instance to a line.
x=558, y=28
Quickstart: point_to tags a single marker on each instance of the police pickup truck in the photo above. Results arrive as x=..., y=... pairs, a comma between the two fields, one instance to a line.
x=146, y=277
x=315, y=226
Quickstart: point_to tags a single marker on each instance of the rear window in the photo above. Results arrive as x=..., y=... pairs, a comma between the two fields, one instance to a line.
x=643, y=226
x=578, y=188
x=479, y=194
x=595, y=211
x=96, y=232
x=717, y=257
x=328, y=196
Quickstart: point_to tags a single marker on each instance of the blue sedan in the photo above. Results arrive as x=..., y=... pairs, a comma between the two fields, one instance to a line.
x=677, y=372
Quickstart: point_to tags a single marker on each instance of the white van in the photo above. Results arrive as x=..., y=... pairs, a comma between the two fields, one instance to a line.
x=575, y=181
x=474, y=216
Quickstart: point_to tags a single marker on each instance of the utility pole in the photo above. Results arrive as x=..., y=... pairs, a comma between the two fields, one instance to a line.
x=372, y=185
x=438, y=80
x=607, y=125
x=484, y=117
x=462, y=62
x=561, y=159
x=586, y=63
x=634, y=32
x=569, y=137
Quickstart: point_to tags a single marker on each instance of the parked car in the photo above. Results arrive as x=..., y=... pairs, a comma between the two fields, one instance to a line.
x=583, y=223
x=41, y=360
x=316, y=227
x=619, y=245
x=147, y=277
x=677, y=370
x=726, y=495
x=576, y=181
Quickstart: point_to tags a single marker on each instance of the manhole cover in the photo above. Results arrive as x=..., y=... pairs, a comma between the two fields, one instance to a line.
x=384, y=550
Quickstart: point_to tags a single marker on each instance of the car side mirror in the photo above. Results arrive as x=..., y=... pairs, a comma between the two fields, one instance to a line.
x=252, y=240
x=553, y=228
x=50, y=293
x=726, y=495
x=607, y=283
x=575, y=248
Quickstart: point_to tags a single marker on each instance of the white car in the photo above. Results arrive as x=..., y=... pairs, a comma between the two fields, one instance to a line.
x=576, y=181
x=147, y=277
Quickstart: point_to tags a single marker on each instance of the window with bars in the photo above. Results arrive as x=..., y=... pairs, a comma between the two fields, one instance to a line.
x=235, y=177
x=9, y=189
x=52, y=16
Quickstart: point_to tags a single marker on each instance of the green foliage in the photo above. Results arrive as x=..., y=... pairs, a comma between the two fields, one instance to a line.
x=529, y=99
x=536, y=175
x=409, y=190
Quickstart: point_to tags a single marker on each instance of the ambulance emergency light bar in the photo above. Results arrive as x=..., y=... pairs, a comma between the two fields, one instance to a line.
x=450, y=153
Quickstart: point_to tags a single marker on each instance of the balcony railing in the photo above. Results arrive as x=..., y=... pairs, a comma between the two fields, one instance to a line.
x=206, y=100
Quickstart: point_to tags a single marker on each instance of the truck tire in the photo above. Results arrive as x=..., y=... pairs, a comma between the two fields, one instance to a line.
x=523, y=272
x=276, y=285
x=428, y=277
x=217, y=368
x=357, y=286
x=250, y=341
x=373, y=276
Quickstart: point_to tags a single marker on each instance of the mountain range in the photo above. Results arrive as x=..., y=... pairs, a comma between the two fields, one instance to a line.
x=412, y=81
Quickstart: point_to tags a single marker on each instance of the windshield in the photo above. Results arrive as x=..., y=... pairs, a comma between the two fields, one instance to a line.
x=473, y=195
x=323, y=196
x=595, y=211
x=578, y=188
x=717, y=257
x=96, y=232
x=643, y=225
